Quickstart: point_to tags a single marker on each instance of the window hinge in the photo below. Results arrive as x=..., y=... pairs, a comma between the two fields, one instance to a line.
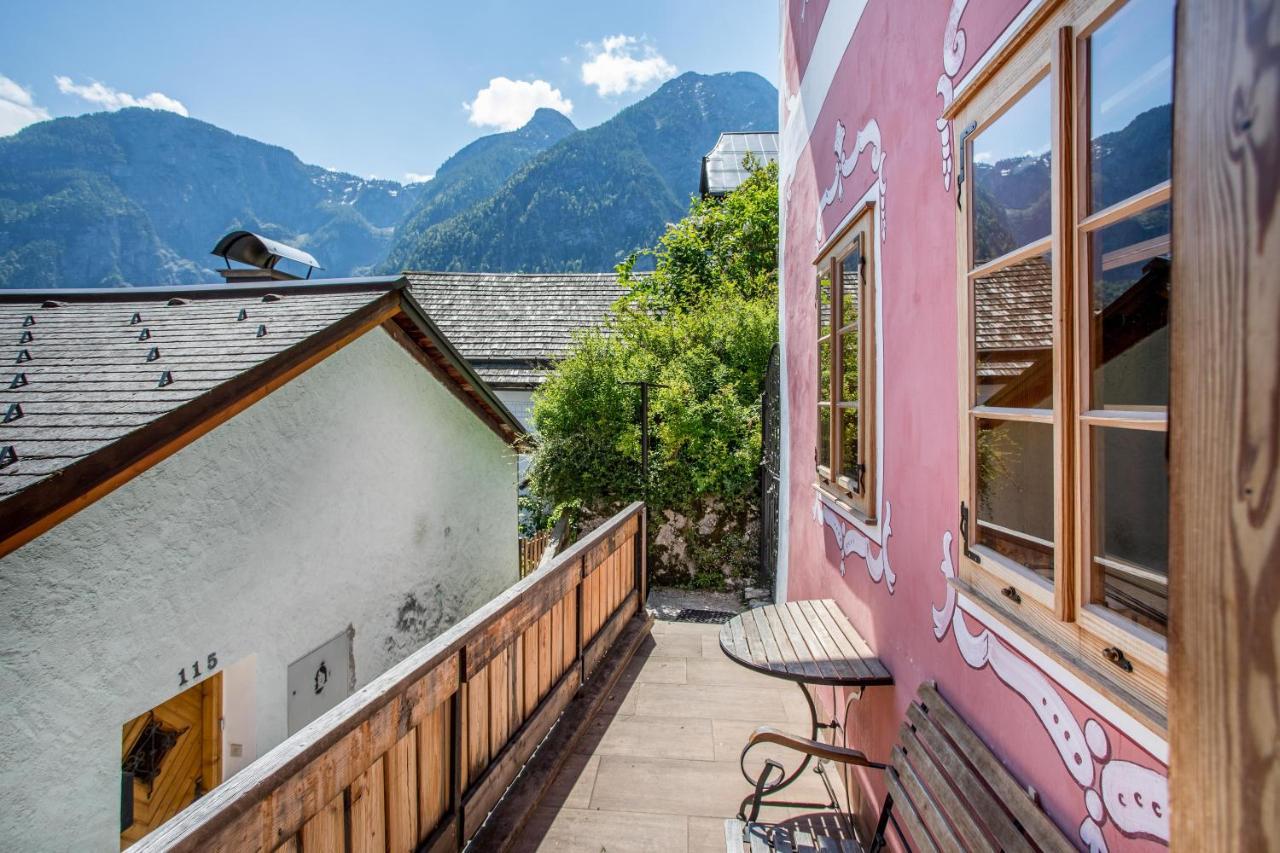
x=960, y=154
x=859, y=472
x=964, y=533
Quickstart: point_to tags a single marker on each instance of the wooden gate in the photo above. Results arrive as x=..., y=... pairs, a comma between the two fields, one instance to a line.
x=172, y=754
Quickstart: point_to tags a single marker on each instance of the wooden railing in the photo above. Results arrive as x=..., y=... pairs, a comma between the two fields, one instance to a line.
x=531, y=551
x=418, y=758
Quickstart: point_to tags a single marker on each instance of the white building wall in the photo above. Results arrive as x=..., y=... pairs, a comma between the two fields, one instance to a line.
x=361, y=495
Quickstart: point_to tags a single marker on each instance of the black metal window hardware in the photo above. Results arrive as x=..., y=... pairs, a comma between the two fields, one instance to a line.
x=960, y=154
x=964, y=533
x=1116, y=656
x=1011, y=594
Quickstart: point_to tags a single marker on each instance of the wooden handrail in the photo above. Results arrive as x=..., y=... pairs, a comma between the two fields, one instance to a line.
x=419, y=756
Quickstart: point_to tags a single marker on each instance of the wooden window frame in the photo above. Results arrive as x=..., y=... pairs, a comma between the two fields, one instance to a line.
x=860, y=233
x=1059, y=618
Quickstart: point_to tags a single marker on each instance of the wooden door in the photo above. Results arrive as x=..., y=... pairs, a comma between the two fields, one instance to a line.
x=175, y=753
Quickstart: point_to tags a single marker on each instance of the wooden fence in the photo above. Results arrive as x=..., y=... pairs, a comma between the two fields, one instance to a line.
x=417, y=758
x=531, y=551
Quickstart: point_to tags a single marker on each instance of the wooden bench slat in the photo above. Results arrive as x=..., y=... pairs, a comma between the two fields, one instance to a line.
x=979, y=800
x=947, y=784
x=1034, y=821
x=932, y=811
x=906, y=813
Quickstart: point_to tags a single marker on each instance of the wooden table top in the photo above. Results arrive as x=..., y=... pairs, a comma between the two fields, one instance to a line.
x=807, y=641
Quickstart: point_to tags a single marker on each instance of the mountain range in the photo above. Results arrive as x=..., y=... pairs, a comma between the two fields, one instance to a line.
x=140, y=196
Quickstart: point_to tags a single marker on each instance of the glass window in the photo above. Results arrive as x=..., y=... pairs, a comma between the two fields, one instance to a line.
x=1130, y=102
x=1013, y=335
x=1131, y=522
x=844, y=346
x=1012, y=178
x=1130, y=264
x=1015, y=492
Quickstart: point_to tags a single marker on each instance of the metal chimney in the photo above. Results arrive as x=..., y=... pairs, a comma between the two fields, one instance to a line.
x=261, y=254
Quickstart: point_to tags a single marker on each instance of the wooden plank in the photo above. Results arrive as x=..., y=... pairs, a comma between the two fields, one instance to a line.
x=367, y=812
x=557, y=639
x=544, y=655
x=751, y=639
x=765, y=632
x=401, y=784
x=860, y=645
x=1035, y=822
x=816, y=650
x=941, y=754
x=290, y=845
x=842, y=667
x=518, y=713
x=796, y=663
x=852, y=655
x=570, y=631
x=1225, y=524
x=326, y=832
x=604, y=638
x=433, y=768
x=530, y=669
x=906, y=813
x=930, y=809
x=477, y=724
x=490, y=787
x=499, y=694
x=502, y=829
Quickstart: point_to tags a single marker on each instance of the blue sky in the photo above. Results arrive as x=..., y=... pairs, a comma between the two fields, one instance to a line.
x=375, y=88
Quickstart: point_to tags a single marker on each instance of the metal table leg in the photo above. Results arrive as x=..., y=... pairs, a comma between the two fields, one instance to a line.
x=764, y=789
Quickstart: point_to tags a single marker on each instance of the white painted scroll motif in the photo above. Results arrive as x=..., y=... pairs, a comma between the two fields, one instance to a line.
x=846, y=162
x=853, y=541
x=1133, y=798
x=953, y=47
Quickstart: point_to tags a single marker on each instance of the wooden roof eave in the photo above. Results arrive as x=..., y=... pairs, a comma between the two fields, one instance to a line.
x=455, y=371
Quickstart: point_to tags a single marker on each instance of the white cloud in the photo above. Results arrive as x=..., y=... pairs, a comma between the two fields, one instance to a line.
x=621, y=64
x=507, y=104
x=17, y=107
x=112, y=99
x=415, y=178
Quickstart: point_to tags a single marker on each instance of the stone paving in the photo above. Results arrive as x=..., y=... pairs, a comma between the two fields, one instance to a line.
x=658, y=769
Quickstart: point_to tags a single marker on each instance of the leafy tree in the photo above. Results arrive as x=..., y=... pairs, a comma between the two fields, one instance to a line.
x=702, y=326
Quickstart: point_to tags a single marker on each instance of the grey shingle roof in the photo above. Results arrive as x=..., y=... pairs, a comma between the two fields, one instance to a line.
x=513, y=326
x=722, y=170
x=94, y=381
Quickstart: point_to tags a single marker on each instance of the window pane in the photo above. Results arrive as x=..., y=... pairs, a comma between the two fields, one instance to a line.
x=1013, y=335
x=850, y=460
x=824, y=370
x=1131, y=522
x=849, y=366
x=824, y=304
x=851, y=285
x=1015, y=492
x=824, y=436
x=1011, y=172
x=1130, y=263
x=1130, y=101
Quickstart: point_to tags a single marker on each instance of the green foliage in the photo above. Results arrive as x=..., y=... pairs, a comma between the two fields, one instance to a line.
x=728, y=243
x=702, y=327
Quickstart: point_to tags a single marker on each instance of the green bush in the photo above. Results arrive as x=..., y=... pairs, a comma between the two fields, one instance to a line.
x=702, y=326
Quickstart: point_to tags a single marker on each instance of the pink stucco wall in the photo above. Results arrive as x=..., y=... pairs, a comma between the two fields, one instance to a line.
x=1084, y=759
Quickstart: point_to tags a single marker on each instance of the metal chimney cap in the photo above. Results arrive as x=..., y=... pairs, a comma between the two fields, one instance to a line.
x=261, y=252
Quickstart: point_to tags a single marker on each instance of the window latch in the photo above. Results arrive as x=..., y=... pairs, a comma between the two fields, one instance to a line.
x=964, y=533
x=960, y=155
x=860, y=471
x=1116, y=656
